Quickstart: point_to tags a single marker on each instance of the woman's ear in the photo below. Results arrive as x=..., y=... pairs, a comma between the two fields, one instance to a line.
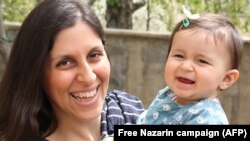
x=230, y=78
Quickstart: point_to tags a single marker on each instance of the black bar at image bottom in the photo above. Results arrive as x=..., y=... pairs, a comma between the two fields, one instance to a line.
x=192, y=132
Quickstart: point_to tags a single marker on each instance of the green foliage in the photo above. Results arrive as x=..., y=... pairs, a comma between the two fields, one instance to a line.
x=236, y=10
x=169, y=12
x=113, y=3
x=17, y=10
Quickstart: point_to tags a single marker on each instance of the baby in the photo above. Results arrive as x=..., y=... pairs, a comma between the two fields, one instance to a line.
x=203, y=60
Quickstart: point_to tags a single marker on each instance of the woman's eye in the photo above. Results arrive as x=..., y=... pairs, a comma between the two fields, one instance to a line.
x=64, y=63
x=95, y=56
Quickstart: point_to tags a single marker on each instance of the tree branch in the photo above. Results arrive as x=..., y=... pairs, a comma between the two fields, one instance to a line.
x=91, y=2
x=138, y=5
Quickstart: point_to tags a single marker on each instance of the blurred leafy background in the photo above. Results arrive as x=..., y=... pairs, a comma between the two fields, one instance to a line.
x=153, y=15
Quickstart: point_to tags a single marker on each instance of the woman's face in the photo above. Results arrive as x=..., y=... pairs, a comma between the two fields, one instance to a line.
x=77, y=74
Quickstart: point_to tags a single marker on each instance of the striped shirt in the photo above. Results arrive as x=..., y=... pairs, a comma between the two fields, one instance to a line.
x=119, y=108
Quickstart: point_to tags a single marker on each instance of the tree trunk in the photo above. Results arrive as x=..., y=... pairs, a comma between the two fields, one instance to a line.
x=119, y=13
x=3, y=53
x=148, y=15
x=1, y=25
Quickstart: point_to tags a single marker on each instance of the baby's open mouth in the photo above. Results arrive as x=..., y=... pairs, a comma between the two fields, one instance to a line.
x=185, y=80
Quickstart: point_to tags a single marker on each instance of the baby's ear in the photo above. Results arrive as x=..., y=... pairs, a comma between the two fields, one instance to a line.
x=230, y=78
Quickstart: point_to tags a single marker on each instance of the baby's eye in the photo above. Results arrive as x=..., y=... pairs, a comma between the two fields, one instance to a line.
x=203, y=61
x=178, y=56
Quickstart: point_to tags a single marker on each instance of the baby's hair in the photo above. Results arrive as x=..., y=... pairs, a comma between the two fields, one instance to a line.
x=221, y=29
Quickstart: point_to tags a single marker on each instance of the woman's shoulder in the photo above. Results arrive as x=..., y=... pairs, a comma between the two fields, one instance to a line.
x=124, y=101
x=121, y=92
x=123, y=97
x=120, y=108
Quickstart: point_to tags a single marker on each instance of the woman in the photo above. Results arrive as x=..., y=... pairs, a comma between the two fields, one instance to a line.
x=56, y=81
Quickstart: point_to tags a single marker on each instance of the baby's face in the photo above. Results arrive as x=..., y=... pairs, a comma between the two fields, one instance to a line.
x=196, y=66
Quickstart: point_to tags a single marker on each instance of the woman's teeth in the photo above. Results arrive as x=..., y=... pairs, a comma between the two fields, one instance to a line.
x=83, y=95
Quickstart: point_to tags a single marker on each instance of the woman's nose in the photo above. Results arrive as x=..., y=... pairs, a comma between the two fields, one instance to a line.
x=86, y=74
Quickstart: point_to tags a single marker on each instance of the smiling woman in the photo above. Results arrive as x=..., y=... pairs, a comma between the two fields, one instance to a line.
x=55, y=84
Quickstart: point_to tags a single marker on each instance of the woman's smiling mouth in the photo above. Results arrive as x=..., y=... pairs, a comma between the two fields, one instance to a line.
x=84, y=95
